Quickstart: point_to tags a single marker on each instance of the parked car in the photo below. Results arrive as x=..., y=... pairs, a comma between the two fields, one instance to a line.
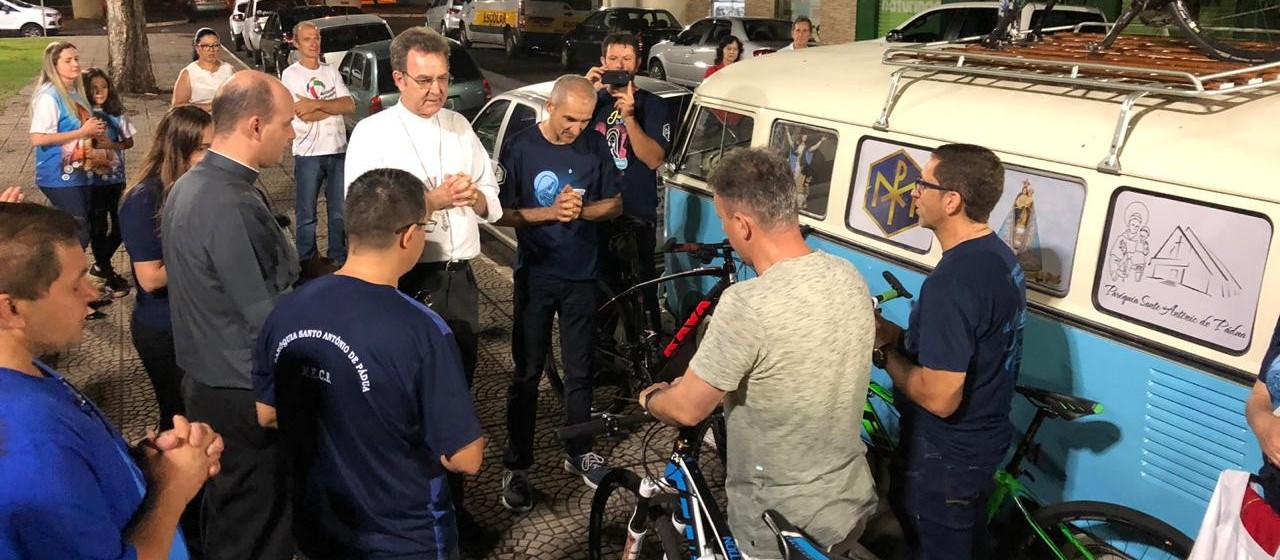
x=201, y=6
x=581, y=47
x=28, y=20
x=445, y=16
x=337, y=33
x=235, y=22
x=366, y=71
x=515, y=110
x=685, y=59
x=960, y=20
x=521, y=25
x=256, y=16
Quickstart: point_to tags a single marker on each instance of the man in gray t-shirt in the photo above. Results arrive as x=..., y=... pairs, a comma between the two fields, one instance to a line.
x=789, y=353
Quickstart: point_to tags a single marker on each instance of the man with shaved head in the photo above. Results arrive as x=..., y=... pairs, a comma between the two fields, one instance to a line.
x=559, y=181
x=227, y=262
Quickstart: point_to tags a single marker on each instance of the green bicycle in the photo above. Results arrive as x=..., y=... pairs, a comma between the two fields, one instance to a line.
x=1074, y=530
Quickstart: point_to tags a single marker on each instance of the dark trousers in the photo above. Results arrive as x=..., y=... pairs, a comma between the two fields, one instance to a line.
x=454, y=296
x=627, y=258
x=245, y=514
x=311, y=172
x=537, y=302
x=104, y=224
x=76, y=201
x=155, y=348
x=941, y=502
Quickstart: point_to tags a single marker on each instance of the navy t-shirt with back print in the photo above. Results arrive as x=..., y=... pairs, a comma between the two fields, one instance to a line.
x=534, y=171
x=969, y=318
x=639, y=183
x=369, y=392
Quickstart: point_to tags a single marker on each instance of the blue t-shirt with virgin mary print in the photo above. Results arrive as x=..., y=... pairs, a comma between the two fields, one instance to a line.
x=533, y=173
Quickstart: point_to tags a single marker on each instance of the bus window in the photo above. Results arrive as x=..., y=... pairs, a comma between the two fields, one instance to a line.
x=713, y=132
x=1187, y=268
x=880, y=202
x=810, y=153
x=1038, y=217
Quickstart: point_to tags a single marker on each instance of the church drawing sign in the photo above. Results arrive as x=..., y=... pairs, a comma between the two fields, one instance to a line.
x=1190, y=269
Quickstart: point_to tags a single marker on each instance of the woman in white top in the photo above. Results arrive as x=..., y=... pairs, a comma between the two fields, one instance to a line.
x=200, y=80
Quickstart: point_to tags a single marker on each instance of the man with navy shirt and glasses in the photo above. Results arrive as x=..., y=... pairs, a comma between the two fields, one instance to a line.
x=68, y=485
x=367, y=388
x=957, y=363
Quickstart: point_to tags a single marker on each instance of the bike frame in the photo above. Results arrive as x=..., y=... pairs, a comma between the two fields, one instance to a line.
x=701, y=523
x=1008, y=487
x=678, y=351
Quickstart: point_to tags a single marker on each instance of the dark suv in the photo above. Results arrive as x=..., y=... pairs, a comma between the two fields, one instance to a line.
x=581, y=48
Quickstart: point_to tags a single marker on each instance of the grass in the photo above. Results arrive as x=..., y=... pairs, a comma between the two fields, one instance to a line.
x=20, y=59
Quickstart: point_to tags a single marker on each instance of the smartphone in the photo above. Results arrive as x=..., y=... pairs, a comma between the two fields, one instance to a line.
x=616, y=78
x=582, y=193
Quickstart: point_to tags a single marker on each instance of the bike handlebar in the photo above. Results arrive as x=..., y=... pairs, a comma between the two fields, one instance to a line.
x=607, y=423
x=895, y=291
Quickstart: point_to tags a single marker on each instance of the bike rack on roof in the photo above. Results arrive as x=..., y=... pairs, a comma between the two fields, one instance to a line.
x=963, y=59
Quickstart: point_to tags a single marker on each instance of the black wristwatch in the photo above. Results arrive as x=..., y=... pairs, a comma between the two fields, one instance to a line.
x=880, y=356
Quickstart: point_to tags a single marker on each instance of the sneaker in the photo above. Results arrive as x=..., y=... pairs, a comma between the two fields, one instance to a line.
x=517, y=496
x=590, y=466
x=117, y=285
x=95, y=316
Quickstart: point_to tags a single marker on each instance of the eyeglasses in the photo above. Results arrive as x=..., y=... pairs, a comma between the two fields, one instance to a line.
x=427, y=227
x=212, y=47
x=428, y=82
x=923, y=184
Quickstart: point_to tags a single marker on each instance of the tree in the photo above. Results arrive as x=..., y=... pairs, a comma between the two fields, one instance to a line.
x=128, y=54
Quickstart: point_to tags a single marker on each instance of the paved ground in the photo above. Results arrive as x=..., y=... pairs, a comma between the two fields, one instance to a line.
x=107, y=368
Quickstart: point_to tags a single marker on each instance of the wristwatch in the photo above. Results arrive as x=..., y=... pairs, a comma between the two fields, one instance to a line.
x=880, y=356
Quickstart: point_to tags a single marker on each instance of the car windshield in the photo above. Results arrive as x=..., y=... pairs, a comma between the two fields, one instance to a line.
x=22, y=4
x=767, y=30
x=266, y=7
x=292, y=17
x=345, y=37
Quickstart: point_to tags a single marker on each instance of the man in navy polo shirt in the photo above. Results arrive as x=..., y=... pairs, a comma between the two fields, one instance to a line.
x=637, y=127
x=1259, y=410
x=958, y=361
x=556, y=180
x=68, y=487
x=367, y=388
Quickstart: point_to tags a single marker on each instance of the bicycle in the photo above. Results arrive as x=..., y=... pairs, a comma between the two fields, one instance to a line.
x=677, y=507
x=1252, y=37
x=1063, y=531
x=629, y=352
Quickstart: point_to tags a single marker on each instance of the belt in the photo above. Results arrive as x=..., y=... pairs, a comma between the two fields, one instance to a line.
x=448, y=265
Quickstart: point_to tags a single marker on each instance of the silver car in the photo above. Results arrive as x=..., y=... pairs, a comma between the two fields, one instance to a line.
x=445, y=16
x=685, y=59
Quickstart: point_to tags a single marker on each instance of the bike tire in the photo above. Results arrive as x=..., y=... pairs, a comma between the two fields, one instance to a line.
x=613, y=383
x=1260, y=45
x=1092, y=524
x=612, y=506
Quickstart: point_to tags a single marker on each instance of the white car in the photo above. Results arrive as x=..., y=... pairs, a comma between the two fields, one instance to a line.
x=236, y=22
x=961, y=20
x=445, y=16
x=685, y=59
x=28, y=20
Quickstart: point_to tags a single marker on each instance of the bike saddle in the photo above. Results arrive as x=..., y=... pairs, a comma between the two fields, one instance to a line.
x=1059, y=405
x=793, y=543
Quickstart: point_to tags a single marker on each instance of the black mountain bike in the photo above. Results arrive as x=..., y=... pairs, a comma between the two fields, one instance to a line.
x=1245, y=31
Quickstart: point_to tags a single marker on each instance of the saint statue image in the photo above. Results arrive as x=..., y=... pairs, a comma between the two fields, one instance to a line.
x=1020, y=232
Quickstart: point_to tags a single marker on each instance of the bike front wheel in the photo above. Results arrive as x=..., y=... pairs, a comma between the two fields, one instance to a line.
x=619, y=515
x=1101, y=531
x=1245, y=31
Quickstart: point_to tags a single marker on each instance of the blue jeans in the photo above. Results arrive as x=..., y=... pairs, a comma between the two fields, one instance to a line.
x=310, y=172
x=76, y=201
x=941, y=502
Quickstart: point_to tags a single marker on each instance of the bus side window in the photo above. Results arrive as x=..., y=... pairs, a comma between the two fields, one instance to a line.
x=811, y=155
x=712, y=132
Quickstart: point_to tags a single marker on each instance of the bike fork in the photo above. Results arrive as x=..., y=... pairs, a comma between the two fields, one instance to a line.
x=637, y=526
x=1136, y=7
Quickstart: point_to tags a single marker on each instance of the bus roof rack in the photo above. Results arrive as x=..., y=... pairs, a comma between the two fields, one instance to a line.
x=1138, y=66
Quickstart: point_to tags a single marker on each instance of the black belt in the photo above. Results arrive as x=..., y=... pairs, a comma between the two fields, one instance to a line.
x=447, y=265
